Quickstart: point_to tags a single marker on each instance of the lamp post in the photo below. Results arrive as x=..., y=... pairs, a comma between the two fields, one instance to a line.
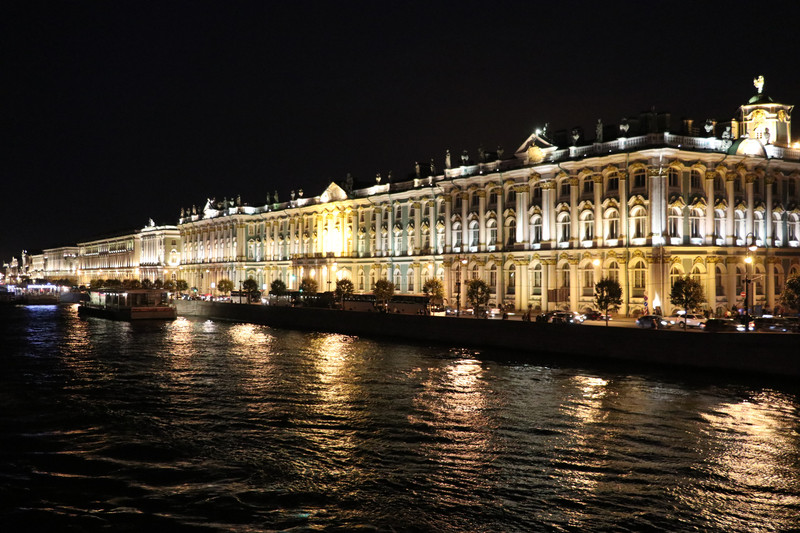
x=751, y=248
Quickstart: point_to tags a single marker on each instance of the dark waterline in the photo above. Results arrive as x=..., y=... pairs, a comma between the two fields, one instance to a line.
x=213, y=426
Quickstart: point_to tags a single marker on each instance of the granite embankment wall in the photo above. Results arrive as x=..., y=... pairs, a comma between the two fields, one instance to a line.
x=765, y=353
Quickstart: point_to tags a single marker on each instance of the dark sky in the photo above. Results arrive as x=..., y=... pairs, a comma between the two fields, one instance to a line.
x=115, y=112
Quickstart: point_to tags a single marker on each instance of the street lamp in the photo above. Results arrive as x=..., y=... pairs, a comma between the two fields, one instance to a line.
x=751, y=248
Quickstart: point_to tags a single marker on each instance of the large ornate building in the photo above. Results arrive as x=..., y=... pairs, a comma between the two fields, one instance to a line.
x=637, y=203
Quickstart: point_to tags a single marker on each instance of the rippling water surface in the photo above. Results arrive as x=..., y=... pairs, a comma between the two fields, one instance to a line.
x=196, y=425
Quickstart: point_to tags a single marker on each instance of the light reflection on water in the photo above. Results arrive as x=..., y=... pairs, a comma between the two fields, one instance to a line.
x=196, y=424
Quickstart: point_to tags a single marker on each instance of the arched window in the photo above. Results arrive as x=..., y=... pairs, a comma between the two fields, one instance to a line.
x=639, y=278
x=457, y=234
x=639, y=179
x=360, y=279
x=511, y=198
x=674, y=274
x=491, y=225
x=587, y=226
x=758, y=225
x=396, y=279
x=564, y=275
x=612, y=182
x=410, y=280
x=474, y=234
x=719, y=223
x=697, y=182
x=564, y=187
x=536, y=229
x=719, y=185
x=511, y=284
x=613, y=271
x=587, y=277
x=536, y=193
x=493, y=279
x=536, y=279
x=638, y=215
x=739, y=224
x=512, y=232
x=696, y=229
x=563, y=227
x=372, y=278
x=697, y=274
x=674, y=178
x=794, y=227
x=612, y=224
x=492, y=204
x=718, y=277
x=776, y=229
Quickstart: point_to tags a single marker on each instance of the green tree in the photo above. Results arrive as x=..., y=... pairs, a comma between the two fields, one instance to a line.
x=434, y=289
x=308, y=285
x=478, y=294
x=96, y=284
x=790, y=297
x=181, y=285
x=251, y=287
x=343, y=288
x=277, y=287
x=687, y=293
x=607, y=295
x=158, y=284
x=147, y=284
x=132, y=284
x=113, y=284
x=383, y=291
x=224, y=285
x=169, y=285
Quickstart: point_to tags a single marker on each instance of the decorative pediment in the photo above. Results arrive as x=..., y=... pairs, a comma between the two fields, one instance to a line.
x=610, y=203
x=637, y=199
x=699, y=203
x=333, y=193
x=721, y=203
x=585, y=205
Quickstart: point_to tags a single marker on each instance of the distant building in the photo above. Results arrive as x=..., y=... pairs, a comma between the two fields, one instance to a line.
x=150, y=253
x=61, y=263
x=639, y=204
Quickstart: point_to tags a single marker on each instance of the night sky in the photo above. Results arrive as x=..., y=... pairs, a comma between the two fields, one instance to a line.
x=115, y=112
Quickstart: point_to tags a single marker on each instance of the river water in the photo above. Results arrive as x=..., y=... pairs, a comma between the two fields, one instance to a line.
x=197, y=425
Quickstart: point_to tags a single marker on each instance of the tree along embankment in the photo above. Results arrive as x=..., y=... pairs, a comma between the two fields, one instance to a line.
x=764, y=353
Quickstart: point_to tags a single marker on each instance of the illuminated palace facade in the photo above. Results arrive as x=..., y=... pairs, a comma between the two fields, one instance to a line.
x=638, y=204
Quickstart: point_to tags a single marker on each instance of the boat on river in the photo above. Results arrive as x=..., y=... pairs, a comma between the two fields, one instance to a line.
x=133, y=304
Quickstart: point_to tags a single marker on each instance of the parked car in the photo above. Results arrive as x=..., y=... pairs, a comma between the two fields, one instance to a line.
x=654, y=322
x=689, y=320
x=771, y=324
x=559, y=317
x=595, y=315
x=721, y=324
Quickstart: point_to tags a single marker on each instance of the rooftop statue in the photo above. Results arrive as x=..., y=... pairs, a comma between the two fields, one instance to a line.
x=759, y=83
x=447, y=163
